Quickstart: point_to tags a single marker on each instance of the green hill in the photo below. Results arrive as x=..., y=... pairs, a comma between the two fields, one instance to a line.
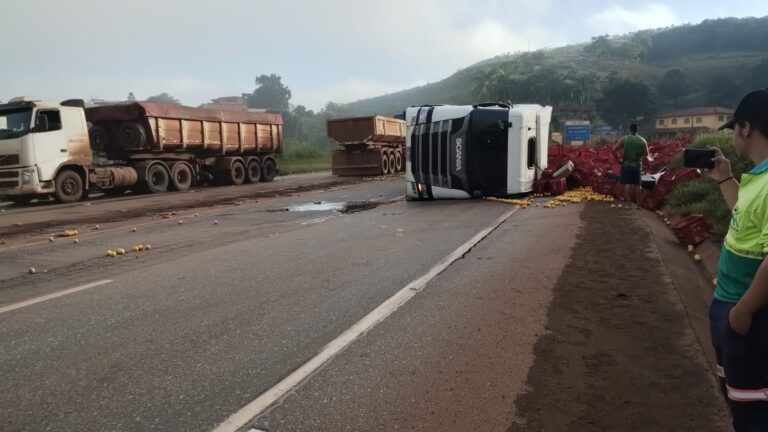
x=714, y=62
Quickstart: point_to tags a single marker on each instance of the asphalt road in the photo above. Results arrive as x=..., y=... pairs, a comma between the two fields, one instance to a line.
x=236, y=297
x=232, y=299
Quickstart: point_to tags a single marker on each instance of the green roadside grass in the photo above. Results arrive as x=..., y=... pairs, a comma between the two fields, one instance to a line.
x=300, y=159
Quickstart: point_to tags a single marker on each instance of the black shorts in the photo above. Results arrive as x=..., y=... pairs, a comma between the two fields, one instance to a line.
x=630, y=176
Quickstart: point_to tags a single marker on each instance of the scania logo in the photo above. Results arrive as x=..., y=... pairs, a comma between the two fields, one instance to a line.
x=459, y=143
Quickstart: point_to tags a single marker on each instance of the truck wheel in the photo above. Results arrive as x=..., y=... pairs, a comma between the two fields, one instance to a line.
x=181, y=177
x=398, y=161
x=131, y=136
x=269, y=170
x=253, y=172
x=157, y=179
x=20, y=199
x=237, y=173
x=384, y=164
x=69, y=187
x=99, y=136
x=392, y=164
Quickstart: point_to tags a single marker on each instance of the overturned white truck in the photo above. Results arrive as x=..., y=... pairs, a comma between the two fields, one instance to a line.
x=455, y=152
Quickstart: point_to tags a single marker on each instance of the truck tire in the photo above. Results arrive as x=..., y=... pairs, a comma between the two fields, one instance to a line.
x=398, y=161
x=131, y=136
x=20, y=199
x=269, y=170
x=237, y=173
x=99, y=136
x=157, y=179
x=392, y=163
x=69, y=187
x=384, y=163
x=181, y=176
x=253, y=171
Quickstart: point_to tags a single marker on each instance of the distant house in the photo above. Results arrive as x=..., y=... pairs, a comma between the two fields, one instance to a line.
x=227, y=103
x=699, y=119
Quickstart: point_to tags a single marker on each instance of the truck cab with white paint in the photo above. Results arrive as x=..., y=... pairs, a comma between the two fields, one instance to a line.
x=38, y=142
x=455, y=152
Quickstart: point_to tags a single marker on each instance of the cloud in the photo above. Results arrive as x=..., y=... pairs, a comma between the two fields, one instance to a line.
x=619, y=20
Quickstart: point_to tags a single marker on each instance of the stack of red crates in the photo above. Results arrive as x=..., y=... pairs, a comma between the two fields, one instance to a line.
x=692, y=230
x=557, y=186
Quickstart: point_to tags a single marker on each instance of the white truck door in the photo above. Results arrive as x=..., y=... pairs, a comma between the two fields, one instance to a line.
x=543, y=118
x=50, y=144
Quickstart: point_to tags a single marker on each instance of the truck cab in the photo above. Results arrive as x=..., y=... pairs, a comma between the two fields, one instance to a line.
x=39, y=141
x=455, y=152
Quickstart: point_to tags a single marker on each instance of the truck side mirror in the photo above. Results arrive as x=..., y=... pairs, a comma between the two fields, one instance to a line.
x=42, y=123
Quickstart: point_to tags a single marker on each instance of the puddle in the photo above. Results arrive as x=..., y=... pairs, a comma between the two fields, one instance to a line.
x=321, y=206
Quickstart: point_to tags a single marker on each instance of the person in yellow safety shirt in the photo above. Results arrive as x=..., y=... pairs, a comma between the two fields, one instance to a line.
x=739, y=311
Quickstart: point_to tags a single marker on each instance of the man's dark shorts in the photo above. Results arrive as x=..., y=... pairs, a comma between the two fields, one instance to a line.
x=742, y=363
x=630, y=176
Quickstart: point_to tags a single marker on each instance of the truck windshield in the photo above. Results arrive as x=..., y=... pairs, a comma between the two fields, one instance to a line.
x=14, y=122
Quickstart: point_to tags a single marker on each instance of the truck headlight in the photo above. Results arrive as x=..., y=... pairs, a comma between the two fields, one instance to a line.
x=27, y=175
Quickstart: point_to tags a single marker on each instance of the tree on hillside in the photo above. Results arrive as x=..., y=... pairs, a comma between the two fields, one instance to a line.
x=164, y=98
x=586, y=84
x=674, y=85
x=600, y=46
x=723, y=91
x=270, y=93
x=626, y=101
x=758, y=78
x=483, y=85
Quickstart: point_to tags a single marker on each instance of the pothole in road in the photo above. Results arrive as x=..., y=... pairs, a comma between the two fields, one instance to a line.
x=340, y=207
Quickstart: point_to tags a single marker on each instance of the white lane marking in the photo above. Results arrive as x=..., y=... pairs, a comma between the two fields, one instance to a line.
x=258, y=405
x=47, y=297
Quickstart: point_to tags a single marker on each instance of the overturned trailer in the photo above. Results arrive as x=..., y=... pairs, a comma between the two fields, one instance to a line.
x=372, y=145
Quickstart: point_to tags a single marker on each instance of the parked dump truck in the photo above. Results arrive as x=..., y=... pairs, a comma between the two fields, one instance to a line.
x=373, y=145
x=65, y=149
x=456, y=152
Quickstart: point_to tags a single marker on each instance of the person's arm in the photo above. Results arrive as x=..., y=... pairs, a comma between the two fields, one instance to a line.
x=753, y=300
x=619, y=144
x=723, y=175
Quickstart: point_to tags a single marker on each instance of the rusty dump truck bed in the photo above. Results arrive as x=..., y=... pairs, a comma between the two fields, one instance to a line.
x=366, y=130
x=173, y=128
x=372, y=145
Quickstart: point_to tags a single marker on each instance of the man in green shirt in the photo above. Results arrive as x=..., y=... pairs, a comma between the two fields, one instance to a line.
x=635, y=147
x=739, y=311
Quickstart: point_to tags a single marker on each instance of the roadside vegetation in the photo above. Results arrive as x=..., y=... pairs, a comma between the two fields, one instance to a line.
x=302, y=158
x=702, y=196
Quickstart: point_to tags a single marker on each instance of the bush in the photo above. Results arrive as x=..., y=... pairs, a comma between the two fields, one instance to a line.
x=299, y=151
x=702, y=196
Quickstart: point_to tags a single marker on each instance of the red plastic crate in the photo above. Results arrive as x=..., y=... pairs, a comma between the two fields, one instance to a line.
x=604, y=186
x=557, y=186
x=651, y=201
x=540, y=186
x=686, y=174
x=692, y=230
x=580, y=177
x=666, y=181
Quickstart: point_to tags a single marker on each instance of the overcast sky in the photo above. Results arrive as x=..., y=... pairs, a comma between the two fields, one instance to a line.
x=333, y=50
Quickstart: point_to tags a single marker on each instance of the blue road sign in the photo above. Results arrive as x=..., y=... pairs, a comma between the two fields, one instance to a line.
x=577, y=132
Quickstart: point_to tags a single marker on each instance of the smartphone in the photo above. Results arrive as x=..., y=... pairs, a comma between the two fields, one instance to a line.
x=698, y=158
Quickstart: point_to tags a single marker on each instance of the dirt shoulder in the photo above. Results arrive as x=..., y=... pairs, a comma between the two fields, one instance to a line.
x=621, y=354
